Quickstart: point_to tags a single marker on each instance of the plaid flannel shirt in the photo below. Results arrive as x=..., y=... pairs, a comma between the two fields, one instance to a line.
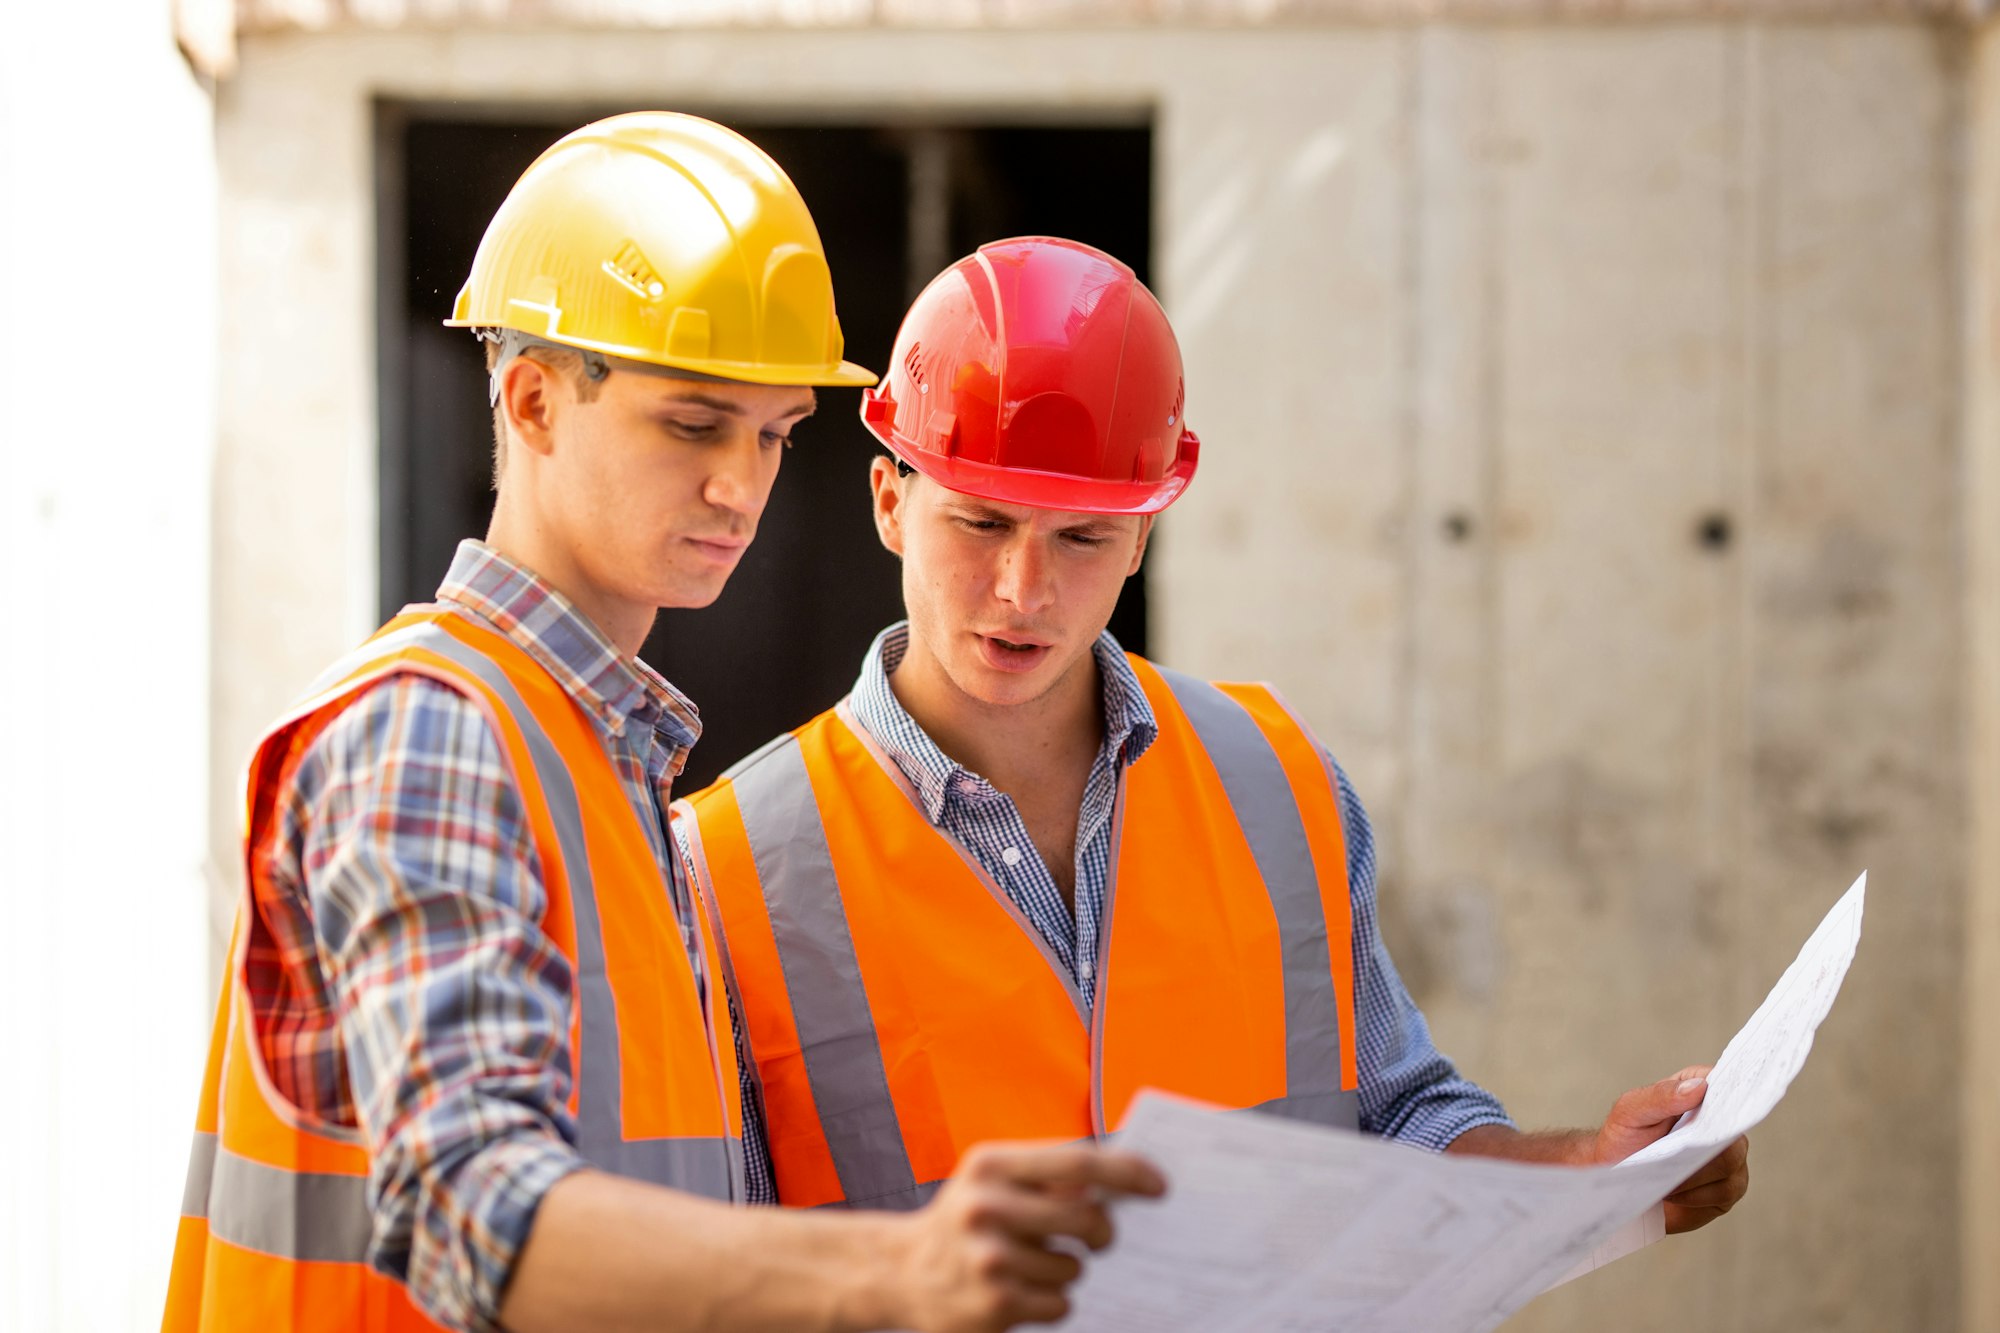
x=404, y=985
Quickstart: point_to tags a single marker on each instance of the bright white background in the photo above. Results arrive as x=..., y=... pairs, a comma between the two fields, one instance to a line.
x=107, y=426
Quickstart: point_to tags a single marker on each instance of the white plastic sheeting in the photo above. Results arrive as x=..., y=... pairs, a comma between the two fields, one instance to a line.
x=107, y=238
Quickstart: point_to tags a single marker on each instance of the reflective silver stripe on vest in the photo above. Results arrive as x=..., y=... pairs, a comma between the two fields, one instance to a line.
x=1261, y=796
x=700, y=1165
x=300, y=1215
x=1339, y=1109
x=200, y=1176
x=706, y=1166
x=843, y=1055
x=903, y=1201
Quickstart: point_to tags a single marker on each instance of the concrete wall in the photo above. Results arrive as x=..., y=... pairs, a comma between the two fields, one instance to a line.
x=1496, y=326
x=107, y=370
x=1486, y=327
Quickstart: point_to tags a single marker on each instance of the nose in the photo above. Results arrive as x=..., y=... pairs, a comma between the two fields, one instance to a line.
x=740, y=479
x=1025, y=578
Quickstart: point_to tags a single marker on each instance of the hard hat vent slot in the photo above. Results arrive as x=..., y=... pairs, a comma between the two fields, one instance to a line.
x=914, y=363
x=630, y=268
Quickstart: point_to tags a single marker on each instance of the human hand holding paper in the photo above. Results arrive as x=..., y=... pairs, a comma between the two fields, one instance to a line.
x=1276, y=1225
x=1648, y=1114
x=1636, y=1121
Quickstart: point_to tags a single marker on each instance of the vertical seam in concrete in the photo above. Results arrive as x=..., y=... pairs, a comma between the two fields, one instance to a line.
x=1979, y=1122
x=1412, y=57
x=1736, y=491
x=363, y=463
x=1759, y=228
x=1971, y=1213
x=1491, y=203
x=1970, y=1210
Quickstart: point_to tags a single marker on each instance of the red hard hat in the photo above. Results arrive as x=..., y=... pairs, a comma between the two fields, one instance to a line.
x=1039, y=372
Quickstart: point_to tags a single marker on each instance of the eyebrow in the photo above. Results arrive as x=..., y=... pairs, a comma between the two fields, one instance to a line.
x=973, y=509
x=1097, y=523
x=805, y=407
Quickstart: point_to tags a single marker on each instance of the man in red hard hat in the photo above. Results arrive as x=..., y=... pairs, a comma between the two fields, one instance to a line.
x=1018, y=874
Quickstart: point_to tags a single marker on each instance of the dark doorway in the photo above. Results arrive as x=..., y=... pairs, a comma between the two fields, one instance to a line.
x=894, y=205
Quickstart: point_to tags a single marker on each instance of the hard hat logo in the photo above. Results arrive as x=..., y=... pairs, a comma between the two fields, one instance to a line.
x=667, y=240
x=1040, y=372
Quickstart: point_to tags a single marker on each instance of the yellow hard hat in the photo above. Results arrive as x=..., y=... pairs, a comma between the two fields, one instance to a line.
x=667, y=239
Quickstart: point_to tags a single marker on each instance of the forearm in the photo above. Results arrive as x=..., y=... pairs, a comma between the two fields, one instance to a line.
x=1559, y=1147
x=610, y=1254
x=453, y=1003
x=1409, y=1091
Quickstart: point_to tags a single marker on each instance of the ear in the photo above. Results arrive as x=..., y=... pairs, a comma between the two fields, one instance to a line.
x=887, y=488
x=1139, y=551
x=528, y=394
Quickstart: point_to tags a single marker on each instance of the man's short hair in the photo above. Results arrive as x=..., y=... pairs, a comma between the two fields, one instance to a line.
x=562, y=360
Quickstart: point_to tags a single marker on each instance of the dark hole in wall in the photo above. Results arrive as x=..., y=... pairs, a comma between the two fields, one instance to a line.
x=787, y=636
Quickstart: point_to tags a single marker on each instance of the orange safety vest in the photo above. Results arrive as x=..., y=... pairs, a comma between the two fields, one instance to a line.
x=900, y=1009
x=275, y=1226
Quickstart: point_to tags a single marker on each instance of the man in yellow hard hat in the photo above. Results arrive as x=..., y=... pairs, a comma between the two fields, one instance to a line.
x=474, y=1063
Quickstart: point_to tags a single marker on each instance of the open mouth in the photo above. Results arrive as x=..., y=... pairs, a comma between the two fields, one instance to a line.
x=1007, y=654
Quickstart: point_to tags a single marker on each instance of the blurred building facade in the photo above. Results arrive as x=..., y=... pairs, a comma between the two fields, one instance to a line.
x=1601, y=448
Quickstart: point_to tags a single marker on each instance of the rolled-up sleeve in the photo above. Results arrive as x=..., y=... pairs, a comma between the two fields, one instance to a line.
x=453, y=1006
x=1409, y=1091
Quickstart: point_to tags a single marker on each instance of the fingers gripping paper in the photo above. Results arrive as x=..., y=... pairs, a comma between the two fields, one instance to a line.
x=1289, y=1228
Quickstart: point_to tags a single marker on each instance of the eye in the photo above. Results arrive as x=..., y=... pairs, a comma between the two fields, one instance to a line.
x=772, y=439
x=1085, y=539
x=982, y=524
x=696, y=431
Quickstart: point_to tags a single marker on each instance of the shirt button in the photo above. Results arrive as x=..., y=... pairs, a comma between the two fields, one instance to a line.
x=1084, y=968
x=1011, y=855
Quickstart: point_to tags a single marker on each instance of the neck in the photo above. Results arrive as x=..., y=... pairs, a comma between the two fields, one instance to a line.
x=530, y=544
x=1012, y=746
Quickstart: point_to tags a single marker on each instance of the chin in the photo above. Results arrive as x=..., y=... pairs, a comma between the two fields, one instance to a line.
x=1000, y=694
x=998, y=689
x=690, y=591
x=688, y=599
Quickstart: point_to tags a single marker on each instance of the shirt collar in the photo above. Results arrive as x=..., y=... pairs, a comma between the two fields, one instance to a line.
x=619, y=691
x=1129, y=724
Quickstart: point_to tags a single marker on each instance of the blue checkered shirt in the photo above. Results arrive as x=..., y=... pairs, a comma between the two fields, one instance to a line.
x=1409, y=1091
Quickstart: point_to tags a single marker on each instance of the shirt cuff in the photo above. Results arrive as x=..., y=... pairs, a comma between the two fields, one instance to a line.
x=1436, y=1123
x=476, y=1225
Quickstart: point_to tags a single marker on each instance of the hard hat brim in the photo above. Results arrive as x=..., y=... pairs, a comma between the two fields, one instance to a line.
x=1048, y=490
x=843, y=374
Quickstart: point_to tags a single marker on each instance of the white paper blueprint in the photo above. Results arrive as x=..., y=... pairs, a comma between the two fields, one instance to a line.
x=1283, y=1227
